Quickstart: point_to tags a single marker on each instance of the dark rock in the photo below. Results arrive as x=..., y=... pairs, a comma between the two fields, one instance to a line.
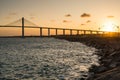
x=7, y=79
x=102, y=68
x=82, y=79
x=113, y=65
x=27, y=76
x=19, y=75
x=108, y=50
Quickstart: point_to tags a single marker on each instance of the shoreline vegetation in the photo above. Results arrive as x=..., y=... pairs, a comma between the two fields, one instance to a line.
x=108, y=50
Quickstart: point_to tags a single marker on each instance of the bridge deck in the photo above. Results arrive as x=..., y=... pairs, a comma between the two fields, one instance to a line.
x=78, y=31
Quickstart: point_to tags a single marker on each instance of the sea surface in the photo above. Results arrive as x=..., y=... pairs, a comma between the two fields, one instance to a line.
x=45, y=59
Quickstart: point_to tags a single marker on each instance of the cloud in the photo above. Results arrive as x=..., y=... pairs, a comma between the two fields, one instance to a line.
x=13, y=13
x=88, y=21
x=82, y=24
x=68, y=15
x=85, y=15
x=110, y=16
x=66, y=21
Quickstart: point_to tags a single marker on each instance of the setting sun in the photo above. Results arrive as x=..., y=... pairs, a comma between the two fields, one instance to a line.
x=108, y=26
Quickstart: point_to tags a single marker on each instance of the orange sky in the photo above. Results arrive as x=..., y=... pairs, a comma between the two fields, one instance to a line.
x=78, y=14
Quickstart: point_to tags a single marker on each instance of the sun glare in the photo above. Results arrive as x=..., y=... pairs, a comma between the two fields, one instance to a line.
x=109, y=27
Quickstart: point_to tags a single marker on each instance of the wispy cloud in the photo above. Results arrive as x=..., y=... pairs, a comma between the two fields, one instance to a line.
x=85, y=15
x=82, y=24
x=88, y=21
x=68, y=15
x=110, y=16
x=66, y=21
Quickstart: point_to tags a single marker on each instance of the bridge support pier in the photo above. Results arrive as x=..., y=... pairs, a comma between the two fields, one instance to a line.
x=77, y=32
x=63, y=31
x=97, y=32
x=56, y=32
x=84, y=32
x=22, y=27
x=91, y=32
x=48, y=31
x=70, y=31
x=40, y=32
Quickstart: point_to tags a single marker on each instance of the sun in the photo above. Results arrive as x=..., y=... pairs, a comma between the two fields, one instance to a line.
x=108, y=26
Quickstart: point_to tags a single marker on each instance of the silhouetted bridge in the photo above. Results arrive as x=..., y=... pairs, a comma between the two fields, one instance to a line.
x=78, y=31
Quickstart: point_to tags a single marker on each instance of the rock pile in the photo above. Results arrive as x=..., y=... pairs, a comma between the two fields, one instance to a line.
x=109, y=51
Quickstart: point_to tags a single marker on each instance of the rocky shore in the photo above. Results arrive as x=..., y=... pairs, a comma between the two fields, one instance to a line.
x=108, y=50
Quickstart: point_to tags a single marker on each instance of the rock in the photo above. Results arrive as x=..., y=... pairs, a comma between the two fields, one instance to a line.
x=7, y=79
x=61, y=77
x=113, y=65
x=112, y=53
x=27, y=76
x=19, y=75
x=101, y=69
x=91, y=76
x=82, y=79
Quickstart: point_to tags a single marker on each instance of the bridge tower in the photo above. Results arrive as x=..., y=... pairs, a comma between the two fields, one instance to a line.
x=22, y=27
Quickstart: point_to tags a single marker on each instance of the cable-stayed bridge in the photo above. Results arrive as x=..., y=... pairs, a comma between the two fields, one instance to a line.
x=24, y=23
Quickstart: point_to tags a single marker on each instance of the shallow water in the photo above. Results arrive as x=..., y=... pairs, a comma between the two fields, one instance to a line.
x=45, y=59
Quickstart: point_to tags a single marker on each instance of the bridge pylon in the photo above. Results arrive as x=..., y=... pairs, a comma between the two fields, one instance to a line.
x=22, y=27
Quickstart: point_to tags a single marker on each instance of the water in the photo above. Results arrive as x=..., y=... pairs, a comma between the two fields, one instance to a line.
x=45, y=59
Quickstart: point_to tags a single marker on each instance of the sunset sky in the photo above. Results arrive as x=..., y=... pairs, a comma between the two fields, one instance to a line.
x=79, y=14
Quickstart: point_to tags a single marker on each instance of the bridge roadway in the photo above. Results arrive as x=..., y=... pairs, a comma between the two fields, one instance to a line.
x=56, y=30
